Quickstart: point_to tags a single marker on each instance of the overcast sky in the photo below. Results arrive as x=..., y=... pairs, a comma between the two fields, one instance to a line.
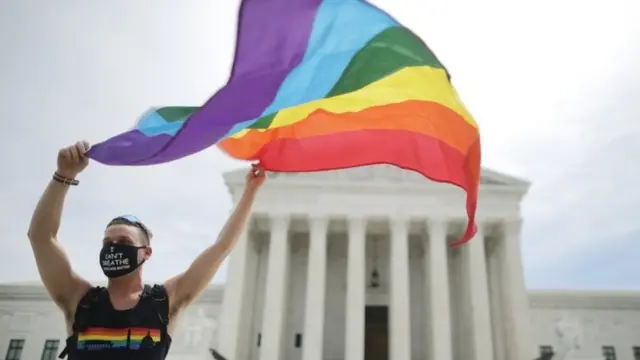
x=553, y=84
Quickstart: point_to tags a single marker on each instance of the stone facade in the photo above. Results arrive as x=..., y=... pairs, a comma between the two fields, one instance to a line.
x=326, y=229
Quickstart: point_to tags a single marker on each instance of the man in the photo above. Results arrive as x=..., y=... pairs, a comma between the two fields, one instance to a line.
x=127, y=319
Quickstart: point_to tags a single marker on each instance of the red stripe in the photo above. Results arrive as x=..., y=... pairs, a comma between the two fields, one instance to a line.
x=418, y=152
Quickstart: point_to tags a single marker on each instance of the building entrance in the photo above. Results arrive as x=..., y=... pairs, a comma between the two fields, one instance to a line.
x=376, y=343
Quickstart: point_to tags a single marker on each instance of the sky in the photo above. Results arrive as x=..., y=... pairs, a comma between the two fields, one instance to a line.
x=553, y=84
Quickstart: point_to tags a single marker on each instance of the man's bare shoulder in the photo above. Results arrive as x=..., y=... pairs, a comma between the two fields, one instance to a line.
x=70, y=303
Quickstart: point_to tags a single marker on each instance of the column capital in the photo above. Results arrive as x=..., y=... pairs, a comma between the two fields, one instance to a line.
x=511, y=227
x=437, y=224
x=278, y=215
x=437, y=220
x=279, y=220
x=399, y=222
x=318, y=223
x=400, y=218
x=357, y=223
x=480, y=228
x=357, y=217
x=318, y=218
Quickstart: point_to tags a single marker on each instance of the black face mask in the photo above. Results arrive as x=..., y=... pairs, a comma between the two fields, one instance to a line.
x=118, y=260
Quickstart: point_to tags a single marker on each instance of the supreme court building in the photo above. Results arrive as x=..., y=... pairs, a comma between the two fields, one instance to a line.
x=354, y=265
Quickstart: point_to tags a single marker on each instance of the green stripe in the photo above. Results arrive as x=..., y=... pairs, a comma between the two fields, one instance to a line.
x=263, y=122
x=176, y=113
x=389, y=51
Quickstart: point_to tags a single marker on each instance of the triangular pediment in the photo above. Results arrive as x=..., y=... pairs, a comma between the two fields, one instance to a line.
x=377, y=173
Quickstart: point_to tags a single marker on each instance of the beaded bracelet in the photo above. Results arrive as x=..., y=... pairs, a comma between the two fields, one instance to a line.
x=63, y=180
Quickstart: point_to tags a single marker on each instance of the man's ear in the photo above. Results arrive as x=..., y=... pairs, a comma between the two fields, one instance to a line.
x=147, y=253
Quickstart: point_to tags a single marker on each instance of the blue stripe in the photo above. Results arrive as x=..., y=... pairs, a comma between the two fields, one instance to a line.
x=151, y=124
x=340, y=30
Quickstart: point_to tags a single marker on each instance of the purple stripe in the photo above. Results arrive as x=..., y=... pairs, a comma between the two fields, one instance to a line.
x=272, y=40
x=130, y=148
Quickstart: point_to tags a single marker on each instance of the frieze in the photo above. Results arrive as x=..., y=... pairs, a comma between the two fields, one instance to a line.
x=33, y=296
x=378, y=173
x=21, y=321
x=605, y=300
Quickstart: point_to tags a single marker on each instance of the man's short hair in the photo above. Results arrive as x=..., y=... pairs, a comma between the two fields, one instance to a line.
x=135, y=222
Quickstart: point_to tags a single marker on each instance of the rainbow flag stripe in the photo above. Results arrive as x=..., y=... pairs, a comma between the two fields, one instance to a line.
x=322, y=85
x=99, y=338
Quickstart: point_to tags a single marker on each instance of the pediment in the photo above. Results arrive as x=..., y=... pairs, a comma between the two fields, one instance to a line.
x=371, y=173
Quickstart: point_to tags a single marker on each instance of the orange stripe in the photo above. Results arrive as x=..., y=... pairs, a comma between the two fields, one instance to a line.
x=141, y=331
x=428, y=118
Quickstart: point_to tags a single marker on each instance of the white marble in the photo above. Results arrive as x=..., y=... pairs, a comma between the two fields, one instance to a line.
x=400, y=317
x=277, y=281
x=482, y=343
x=355, y=292
x=316, y=280
x=236, y=290
x=438, y=283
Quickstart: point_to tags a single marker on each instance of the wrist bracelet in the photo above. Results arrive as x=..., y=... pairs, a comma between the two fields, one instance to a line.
x=64, y=180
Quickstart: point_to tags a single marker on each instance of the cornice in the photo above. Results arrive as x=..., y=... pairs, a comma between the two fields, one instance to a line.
x=377, y=178
x=37, y=292
x=584, y=299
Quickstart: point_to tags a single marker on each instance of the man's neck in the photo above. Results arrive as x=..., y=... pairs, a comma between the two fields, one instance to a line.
x=125, y=286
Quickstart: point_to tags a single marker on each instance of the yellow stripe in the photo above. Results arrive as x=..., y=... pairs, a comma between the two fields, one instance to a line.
x=412, y=83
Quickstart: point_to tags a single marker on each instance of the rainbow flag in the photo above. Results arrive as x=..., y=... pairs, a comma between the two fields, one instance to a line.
x=107, y=338
x=319, y=85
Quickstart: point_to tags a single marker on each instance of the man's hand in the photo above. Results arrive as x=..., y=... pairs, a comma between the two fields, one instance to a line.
x=71, y=160
x=255, y=178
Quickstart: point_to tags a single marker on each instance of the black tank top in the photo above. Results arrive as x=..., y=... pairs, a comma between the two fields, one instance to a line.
x=102, y=333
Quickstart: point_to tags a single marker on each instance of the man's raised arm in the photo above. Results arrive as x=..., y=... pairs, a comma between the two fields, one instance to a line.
x=184, y=288
x=65, y=287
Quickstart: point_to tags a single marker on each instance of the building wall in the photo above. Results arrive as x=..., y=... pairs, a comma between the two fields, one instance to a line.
x=600, y=318
x=597, y=319
x=32, y=320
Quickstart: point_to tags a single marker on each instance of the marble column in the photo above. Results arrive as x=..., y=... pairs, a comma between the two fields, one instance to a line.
x=275, y=290
x=482, y=343
x=355, y=321
x=439, y=301
x=236, y=289
x=312, y=347
x=496, y=299
x=519, y=337
x=400, y=324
